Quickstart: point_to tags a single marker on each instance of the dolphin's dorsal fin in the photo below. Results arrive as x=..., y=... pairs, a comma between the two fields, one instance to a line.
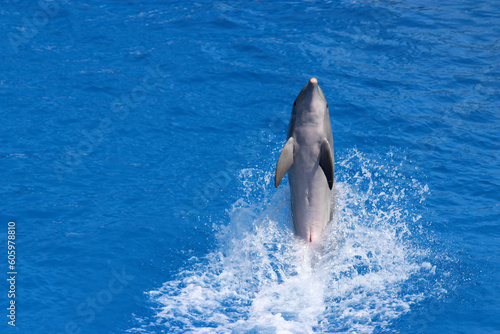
x=326, y=162
x=284, y=162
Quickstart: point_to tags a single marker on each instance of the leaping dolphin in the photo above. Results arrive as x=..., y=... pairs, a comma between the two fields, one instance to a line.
x=308, y=158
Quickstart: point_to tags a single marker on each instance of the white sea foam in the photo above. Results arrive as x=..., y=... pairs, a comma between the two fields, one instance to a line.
x=262, y=279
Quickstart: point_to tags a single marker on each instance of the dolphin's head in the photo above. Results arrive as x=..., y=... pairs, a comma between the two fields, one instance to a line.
x=311, y=100
x=310, y=106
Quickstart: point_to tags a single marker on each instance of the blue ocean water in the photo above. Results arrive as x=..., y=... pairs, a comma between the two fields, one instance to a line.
x=138, y=147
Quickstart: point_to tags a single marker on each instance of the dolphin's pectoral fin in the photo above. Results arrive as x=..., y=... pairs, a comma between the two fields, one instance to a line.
x=326, y=162
x=284, y=162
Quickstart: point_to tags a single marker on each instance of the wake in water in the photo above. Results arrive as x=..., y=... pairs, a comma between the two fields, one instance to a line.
x=262, y=279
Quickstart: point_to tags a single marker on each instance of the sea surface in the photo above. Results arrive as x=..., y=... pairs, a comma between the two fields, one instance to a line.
x=138, y=146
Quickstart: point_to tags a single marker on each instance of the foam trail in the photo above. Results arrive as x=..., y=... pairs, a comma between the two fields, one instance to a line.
x=262, y=279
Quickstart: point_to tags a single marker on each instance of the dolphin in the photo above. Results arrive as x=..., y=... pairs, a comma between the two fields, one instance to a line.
x=308, y=158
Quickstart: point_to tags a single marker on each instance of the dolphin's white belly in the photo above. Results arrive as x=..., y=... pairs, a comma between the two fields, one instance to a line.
x=311, y=196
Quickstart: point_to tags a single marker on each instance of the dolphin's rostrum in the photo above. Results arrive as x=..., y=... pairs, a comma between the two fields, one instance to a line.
x=308, y=158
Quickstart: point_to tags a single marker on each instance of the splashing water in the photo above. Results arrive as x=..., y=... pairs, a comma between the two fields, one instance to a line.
x=262, y=279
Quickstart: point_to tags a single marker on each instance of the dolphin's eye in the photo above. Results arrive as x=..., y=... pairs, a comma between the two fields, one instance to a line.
x=294, y=103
